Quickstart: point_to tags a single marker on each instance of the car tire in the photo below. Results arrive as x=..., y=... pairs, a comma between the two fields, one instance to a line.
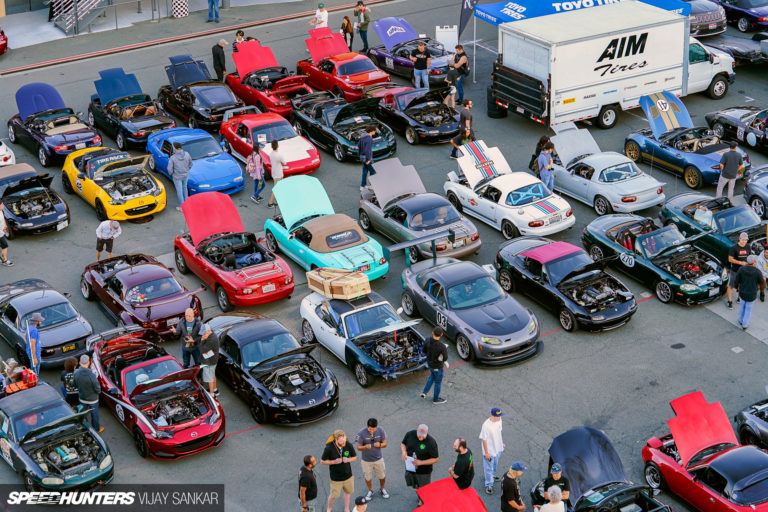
x=271, y=242
x=663, y=292
x=66, y=184
x=758, y=205
x=297, y=127
x=11, y=133
x=411, y=137
x=408, y=304
x=361, y=375
x=509, y=230
x=567, y=320
x=222, y=299
x=91, y=119
x=181, y=263
x=718, y=88
x=307, y=332
x=120, y=141
x=464, y=348
x=338, y=92
x=151, y=163
x=455, y=202
x=140, y=442
x=692, y=177
x=364, y=220
x=608, y=117
x=413, y=255
x=653, y=476
x=602, y=206
x=747, y=436
x=505, y=280
x=633, y=152
x=101, y=212
x=718, y=129
x=258, y=412
x=596, y=253
x=85, y=289
x=338, y=153
x=29, y=482
x=743, y=25
x=42, y=156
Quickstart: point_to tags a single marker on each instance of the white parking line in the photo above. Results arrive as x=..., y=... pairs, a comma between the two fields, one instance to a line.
x=748, y=99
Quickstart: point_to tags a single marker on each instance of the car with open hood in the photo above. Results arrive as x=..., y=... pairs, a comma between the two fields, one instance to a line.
x=516, y=203
x=260, y=81
x=748, y=125
x=365, y=333
x=63, y=331
x=337, y=126
x=122, y=110
x=397, y=205
x=229, y=260
x=312, y=234
x=47, y=126
x=274, y=374
x=244, y=127
x=701, y=461
x=755, y=190
x=49, y=446
x=417, y=114
x=746, y=14
x=605, y=180
x=463, y=299
x=661, y=258
x=213, y=170
x=564, y=279
x=117, y=185
x=399, y=40
x=332, y=67
x=7, y=156
x=193, y=95
x=752, y=423
x=707, y=18
x=596, y=475
x=167, y=412
x=674, y=144
x=719, y=227
x=31, y=206
x=136, y=289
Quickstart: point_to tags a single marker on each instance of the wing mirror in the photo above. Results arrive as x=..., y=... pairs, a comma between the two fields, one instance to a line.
x=304, y=341
x=292, y=236
x=113, y=392
x=222, y=144
x=81, y=176
x=79, y=114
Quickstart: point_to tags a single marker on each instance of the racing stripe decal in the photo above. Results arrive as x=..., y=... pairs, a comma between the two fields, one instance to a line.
x=482, y=162
x=546, y=208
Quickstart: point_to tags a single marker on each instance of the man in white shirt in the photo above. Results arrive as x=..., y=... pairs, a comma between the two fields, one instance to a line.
x=493, y=446
x=277, y=163
x=3, y=239
x=105, y=237
x=321, y=17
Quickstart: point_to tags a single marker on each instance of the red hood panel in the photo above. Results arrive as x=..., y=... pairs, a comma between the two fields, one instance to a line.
x=210, y=213
x=698, y=425
x=251, y=56
x=325, y=43
x=188, y=374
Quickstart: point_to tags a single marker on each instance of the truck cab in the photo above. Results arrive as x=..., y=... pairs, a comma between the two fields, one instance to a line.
x=709, y=69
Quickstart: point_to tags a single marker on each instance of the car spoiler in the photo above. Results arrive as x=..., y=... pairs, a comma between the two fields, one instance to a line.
x=113, y=333
x=149, y=307
x=447, y=233
x=250, y=109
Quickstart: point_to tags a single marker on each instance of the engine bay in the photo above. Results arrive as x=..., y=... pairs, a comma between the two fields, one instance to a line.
x=693, y=266
x=31, y=204
x=434, y=114
x=397, y=350
x=69, y=456
x=295, y=379
x=597, y=292
x=356, y=131
x=176, y=410
x=236, y=251
x=123, y=188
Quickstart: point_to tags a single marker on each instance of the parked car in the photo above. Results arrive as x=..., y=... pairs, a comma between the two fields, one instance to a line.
x=746, y=14
x=707, y=18
x=31, y=205
x=752, y=424
x=7, y=156
x=744, y=51
x=756, y=190
x=747, y=125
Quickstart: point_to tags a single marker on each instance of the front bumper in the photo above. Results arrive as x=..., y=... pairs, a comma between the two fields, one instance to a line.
x=302, y=415
x=496, y=356
x=168, y=449
x=305, y=166
x=224, y=188
x=708, y=28
x=611, y=318
x=698, y=298
x=441, y=137
x=84, y=483
x=46, y=227
x=552, y=228
x=254, y=299
x=133, y=210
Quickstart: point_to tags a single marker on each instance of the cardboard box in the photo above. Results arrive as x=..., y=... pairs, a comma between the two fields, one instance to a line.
x=336, y=283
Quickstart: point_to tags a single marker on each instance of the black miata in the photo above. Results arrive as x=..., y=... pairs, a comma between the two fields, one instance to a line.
x=563, y=278
x=748, y=125
x=752, y=423
x=275, y=375
x=418, y=114
x=194, y=96
x=123, y=111
x=31, y=206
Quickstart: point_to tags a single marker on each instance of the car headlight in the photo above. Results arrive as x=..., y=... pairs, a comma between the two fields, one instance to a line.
x=490, y=340
x=27, y=225
x=281, y=402
x=206, y=185
x=315, y=160
x=688, y=287
x=721, y=11
x=105, y=462
x=433, y=132
x=724, y=274
x=62, y=216
x=598, y=318
x=532, y=326
x=117, y=201
x=157, y=191
x=162, y=434
x=52, y=480
x=239, y=178
x=331, y=388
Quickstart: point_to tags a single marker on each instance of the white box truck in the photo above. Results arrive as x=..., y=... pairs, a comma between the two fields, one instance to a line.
x=591, y=63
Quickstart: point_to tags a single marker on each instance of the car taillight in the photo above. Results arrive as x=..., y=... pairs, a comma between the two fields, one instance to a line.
x=441, y=247
x=762, y=18
x=172, y=125
x=47, y=352
x=475, y=236
x=6, y=158
x=97, y=140
x=139, y=133
x=243, y=291
x=535, y=223
x=569, y=212
x=660, y=190
x=716, y=167
x=435, y=72
x=60, y=148
x=628, y=199
x=289, y=279
x=382, y=260
x=151, y=325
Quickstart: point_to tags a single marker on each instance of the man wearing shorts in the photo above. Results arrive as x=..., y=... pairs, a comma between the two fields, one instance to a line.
x=370, y=441
x=339, y=455
x=419, y=451
x=3, y=239
x=105, y=237
x=209, y=356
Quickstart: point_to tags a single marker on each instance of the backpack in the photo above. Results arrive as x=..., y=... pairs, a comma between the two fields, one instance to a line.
x=69, y=382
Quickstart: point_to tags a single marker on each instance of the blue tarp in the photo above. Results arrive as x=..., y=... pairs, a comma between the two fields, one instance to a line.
x=184, y=70
x=37, y=97
x=503, y=12
x=115, y=84
x=394, y=31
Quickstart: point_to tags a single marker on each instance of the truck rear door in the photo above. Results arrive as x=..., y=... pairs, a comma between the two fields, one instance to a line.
x=521, y=75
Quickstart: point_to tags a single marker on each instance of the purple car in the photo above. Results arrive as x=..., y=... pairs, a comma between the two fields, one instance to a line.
x=746, y=14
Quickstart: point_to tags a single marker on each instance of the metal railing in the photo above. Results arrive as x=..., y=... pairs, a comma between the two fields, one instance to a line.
x=77, y=16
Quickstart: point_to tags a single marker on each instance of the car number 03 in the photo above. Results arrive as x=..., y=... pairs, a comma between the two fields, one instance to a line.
x=740, y=133
x=388, y=62
x=120, y=412
x=627, y=259
x=442, y=320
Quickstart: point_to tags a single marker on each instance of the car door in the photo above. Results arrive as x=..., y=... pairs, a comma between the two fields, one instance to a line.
x=242, y=142
x=535, y=282
x=634, y=262
x=8, y=325
x=488, y=203
x=230, y=368
x=113, y=296
x=313, y=127
x=707, y=490
x=666, y=155
x=394, y=222
x=6, y=440
x=24, y=134
x=429, y=298
x=112, y=119
x=162, y=156
x=699, y=68
x=330, y=331
x=402, y=62
x=578, y=181
x=324, y=77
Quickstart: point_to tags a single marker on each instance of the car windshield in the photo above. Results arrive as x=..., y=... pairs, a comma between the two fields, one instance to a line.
x=657, y=241
x=201, y=148
x=752, y=494
x=54, y=114
x=36, y=418
x=561, y=267
x=153, y=290
x=370, y=319
x=752, y=4
x=355, y=67
x=266, y=348
x=527, y=194
x=54, y=314
x=153, y=371
x=435, y=217
x=620, y=172
x=739, y=218
x=272, y=131
x=474, y=293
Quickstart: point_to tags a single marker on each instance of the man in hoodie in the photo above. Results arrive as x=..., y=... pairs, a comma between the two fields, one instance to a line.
x=365, y=148
x=88, y=390
x=437, y=360
x=179, y=166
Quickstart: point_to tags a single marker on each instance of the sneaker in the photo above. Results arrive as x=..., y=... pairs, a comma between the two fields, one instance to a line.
x=101, y=429
x=369, y=496
x=259, y=199
x=730, y=305
x=384, y=494
x=423, y=395
x=454, y=157
x=8, y=263
x=270, y=205
x=255, y=199
x=496, y=478
x=209, y=21
x=178, y=208
x=489, y=490
x=440, y=400
x=217, y=21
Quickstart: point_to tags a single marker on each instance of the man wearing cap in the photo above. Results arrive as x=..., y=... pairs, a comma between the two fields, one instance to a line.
x=463, y=470
x=3, y=237
x=363, y=16
x=737, y=257
x=33, y=342
x=361, y=504
x=419, y=451
x=338, y=456
x=437, y=361
x=493, y=446
x=219, y=62
x=321, y=17
x=106, y=233
x=88, y=390
x=556, y=478
x=510, y=489
x=748, y=280
x=731, y=164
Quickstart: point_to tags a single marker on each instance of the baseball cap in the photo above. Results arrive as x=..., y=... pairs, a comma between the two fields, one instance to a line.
x=751, y=259
x=360, y=2
x=423, y=429
x=556, y=468
x=743, y=236
x=496, y=412
x=360, y=500
x=519, y=466
x=321, y=5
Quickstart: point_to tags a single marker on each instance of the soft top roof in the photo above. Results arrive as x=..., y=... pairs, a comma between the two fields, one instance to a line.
x=23, y=401
x=329, y=225
x=549, y=252
x=115, y=84
x=37, y=97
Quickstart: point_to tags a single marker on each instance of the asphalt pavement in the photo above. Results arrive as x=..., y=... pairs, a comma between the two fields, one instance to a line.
x=620, y=381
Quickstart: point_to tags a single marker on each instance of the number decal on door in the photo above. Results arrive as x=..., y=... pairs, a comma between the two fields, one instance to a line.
x=442, y=321
x=389, y=63
x=740, y=133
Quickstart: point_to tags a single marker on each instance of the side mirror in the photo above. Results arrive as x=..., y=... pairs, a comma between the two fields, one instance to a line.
x=81, y=176
x=79, y=114
x=304, y=341
x=222, y=144
x=66, y=294
x=112, y=392
x=292, y=236
x=710, y=57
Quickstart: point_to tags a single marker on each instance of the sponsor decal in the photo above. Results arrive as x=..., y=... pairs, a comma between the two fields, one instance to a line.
x=513, y=10
x=120, y=412
x=569, y=100
x=621, y=48
x=580, y=4
x=395, y=29
x=627, y=259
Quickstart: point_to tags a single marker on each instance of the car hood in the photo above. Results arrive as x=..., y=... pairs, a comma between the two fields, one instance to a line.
x=59, y=334
x=665, y=112
x=306, y=349
x=429, y=95
x=187, y=374
x=74, y=420
x=185, y=70
x=137, y=162
x=43, y=180
x=324, y=43
x=300, y=197
x=214, y=169
x=479, y=162
x=597, y=265
x=210, y=213
x=588, y=459
x=393, y=179
x=365, y=107
x=114, y=84
x=500, y=318
x=698, y=425
x=572, y=142
x=289, y=82
x=251, y=56
x=293, y=149
x=393, y=31
x=371, y=335
x=37, y=97
x=702, y=6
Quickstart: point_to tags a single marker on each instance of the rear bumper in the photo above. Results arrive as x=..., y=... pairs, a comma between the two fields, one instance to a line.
x=468, y=249
x=552, y=228
x=254, y=299
x=635, y=207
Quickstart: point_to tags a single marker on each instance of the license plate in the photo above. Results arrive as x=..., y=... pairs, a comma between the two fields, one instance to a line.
x=458, y=243
x=69, y=347
x=62, y=225
x=268, y=288
x=171, y=322
x=712, y=25
x=519, y=110
x=555, y=218
x=713, y=292
x=80, y=145
x=364, y=268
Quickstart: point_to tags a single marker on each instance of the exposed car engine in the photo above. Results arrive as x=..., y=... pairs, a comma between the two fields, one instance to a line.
x=396, y=350
x=695, y=267
x=128, y=187
x=356, y=131
x=598, y=292
x=176, y=410
x=74, y=455
x=436, y=114
x=30, y=206
x=295, y=379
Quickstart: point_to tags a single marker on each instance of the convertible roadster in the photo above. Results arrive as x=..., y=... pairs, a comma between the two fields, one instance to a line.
x=31, y=206
x=122, y=110
x=659, y=257
x=229, y=260
x=564, y=279
x=747, y=125
x=397, y=205
x=463, y=299
x=310, y=233
x=365, y=334
x=44, y=124
x=417, y=114
x=337, y=126
x=262, y=82
x=607, y=181
x=674, y=144
x=752, y=424
x=116, y=184
x=746, y=14
x=743, y=50
x=756, y=190
x=514, y=202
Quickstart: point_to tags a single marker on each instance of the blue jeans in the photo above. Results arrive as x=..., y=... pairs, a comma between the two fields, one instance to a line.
x=421, y=77
x=367, y=170
x=195, y=353
x=460, y=89
x=258, y=186
x=181, y=189
x=489, y=468
x=436, y=378
x=548, y=178
x=364, y=37
x=94, y=414
x=213, y=9
x=745, y=312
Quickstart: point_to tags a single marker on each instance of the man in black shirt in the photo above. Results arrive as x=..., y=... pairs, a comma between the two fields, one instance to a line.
x=339, y=454
x=556, y=478
x=307, y=484
x=748, y=280
x=465, y=116
x=737, y=257
x=422, y=60
x=419, y=451
x=437, y=360
x=510, y=489
x=731, y=164
x=465, y=136
x=463, y=470
x=219, y=62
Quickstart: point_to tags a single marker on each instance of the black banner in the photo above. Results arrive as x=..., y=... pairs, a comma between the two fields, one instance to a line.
x=467, y=8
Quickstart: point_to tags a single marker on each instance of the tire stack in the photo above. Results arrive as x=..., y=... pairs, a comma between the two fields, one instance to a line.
x=494, y=111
